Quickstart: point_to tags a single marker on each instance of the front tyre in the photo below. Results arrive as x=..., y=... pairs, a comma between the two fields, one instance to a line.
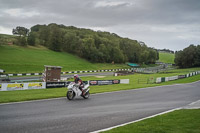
x=87, y=95
x=70, y=95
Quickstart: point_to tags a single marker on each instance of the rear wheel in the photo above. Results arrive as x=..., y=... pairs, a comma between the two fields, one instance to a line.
x=87, y=95
x=70, y=95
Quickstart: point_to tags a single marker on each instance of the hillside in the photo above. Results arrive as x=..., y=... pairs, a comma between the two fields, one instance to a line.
x=94, y=46
x=166, y=57
x=7, y=39
x=16, y=59
x=70, y=47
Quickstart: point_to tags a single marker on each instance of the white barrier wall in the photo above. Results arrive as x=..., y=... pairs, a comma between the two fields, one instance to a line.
x=124, y=81
x=172, y=78
x=166, y=79
x=158, y=80
x=22, y=86
x=190, y=74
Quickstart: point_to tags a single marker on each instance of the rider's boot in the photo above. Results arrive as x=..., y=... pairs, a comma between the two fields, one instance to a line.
x=83, y=92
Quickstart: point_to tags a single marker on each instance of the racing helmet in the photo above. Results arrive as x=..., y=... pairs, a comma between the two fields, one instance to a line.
x=75, y=75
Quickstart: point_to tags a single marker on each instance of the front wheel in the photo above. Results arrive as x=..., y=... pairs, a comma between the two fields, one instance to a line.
x=87, y=95
x=70, y=95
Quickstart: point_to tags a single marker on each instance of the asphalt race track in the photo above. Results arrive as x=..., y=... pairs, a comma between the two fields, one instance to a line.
x=99, y=112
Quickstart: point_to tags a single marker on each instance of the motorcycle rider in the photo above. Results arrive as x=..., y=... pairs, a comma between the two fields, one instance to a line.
x=78, y=81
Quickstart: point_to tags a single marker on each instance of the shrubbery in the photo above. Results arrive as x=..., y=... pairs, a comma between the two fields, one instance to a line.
x=188, y=57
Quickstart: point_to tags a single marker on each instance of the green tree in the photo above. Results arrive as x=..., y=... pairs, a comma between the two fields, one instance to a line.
x=21, y=40
x=197, y=59
x=71, y=42
x=157, y=55
x=88, y=48
x=44, y=35
x=117, y=56
x=144, y=57
x=21, y=31
x=103, y=53
x=188, y=57
x=179, y=58
x=31, y=38
x=55, y=41
x=152, y=56
x=189, y=54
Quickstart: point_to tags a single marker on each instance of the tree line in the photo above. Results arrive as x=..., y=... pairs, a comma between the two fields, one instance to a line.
x=166, y=50
x=95, y=46
x=188, y=57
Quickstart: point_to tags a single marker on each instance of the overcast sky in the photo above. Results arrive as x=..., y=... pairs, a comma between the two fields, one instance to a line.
x=171, y=24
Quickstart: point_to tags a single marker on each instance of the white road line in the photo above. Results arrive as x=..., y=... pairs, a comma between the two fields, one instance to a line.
x=194, y=102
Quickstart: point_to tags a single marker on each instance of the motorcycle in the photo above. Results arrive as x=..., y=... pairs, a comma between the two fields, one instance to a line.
x=74, y=91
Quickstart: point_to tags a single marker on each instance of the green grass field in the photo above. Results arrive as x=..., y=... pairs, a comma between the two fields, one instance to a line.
x=180, y=121
x=15, y=59
x=25, y=95
x=166, y=57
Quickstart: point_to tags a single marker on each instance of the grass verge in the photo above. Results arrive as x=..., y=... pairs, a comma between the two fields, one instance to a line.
x=27, y=95
x=180, y=121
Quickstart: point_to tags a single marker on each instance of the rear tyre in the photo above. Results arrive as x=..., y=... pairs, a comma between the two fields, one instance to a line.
x=87, y=95
x=70, y=95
